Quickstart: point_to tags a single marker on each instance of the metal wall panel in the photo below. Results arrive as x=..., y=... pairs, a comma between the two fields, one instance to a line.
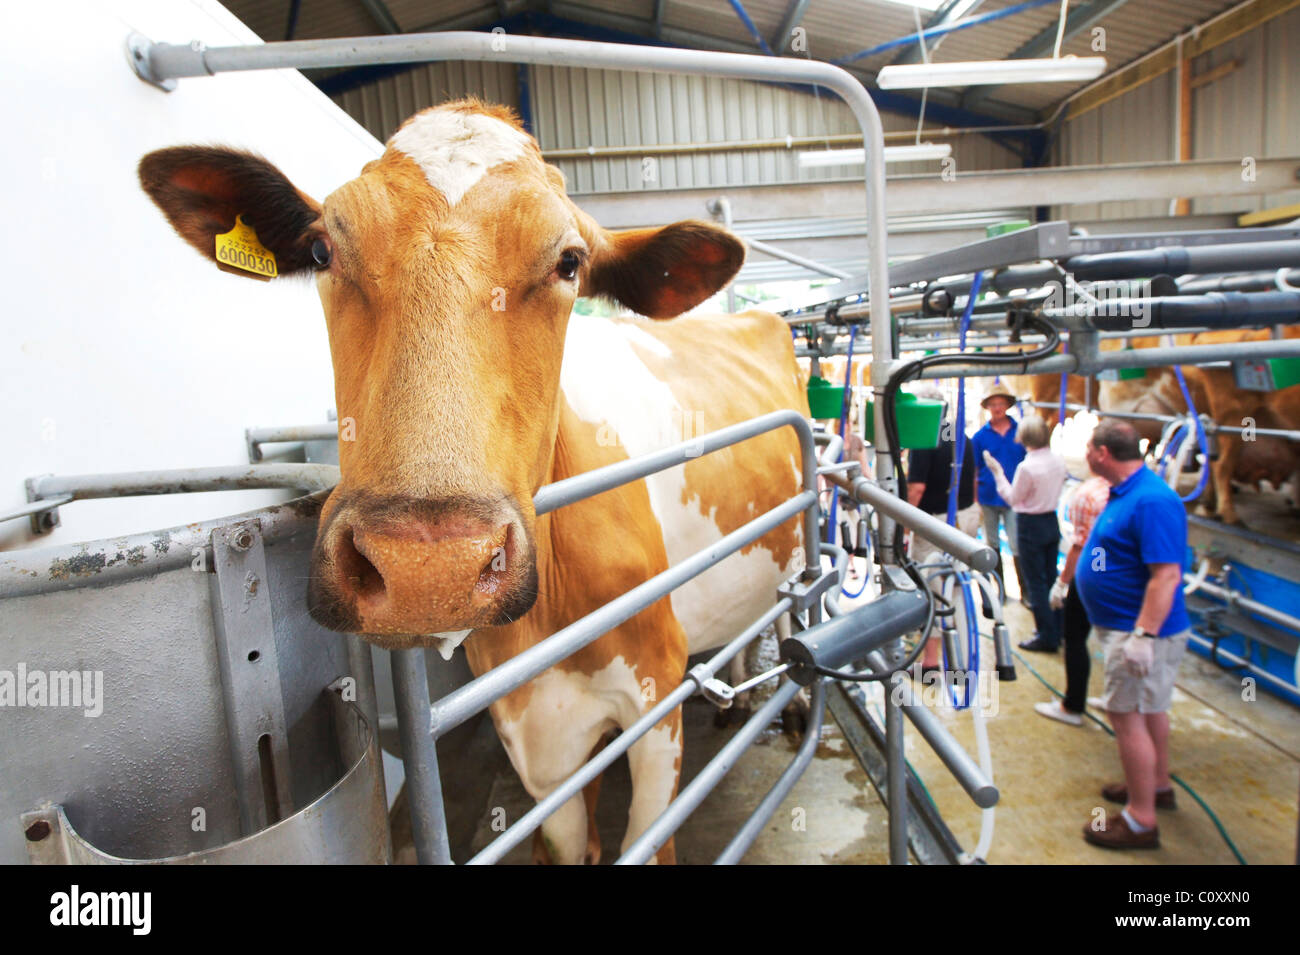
x=1252, y=112
x=576, y=109
x=382, y=106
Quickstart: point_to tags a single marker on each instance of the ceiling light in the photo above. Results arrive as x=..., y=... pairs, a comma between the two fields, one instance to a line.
x=857, y=157
x=991, y=72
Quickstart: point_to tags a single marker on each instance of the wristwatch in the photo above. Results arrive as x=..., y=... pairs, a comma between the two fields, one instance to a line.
x=1139, y=632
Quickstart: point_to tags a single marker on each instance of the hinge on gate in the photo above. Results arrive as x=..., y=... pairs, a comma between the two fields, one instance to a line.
x=712, y=689
x=804, y=594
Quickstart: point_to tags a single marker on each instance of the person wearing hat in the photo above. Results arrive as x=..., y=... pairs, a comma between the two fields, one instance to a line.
x=998, y=438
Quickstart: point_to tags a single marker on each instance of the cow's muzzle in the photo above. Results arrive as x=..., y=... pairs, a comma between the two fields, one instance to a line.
x=401, y=571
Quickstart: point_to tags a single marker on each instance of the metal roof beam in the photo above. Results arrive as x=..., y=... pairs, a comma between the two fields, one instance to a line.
x=793, y=15
x=382, y=15
x=971, y=192
x=743, y=14
x=912, y=54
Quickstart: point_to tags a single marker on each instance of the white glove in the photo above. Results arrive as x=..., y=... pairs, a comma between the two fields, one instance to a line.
x=1139, y=654
x=1060, y=590
x=992, y=463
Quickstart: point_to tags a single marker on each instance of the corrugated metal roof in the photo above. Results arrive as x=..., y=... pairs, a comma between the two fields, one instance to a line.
x=835, y=28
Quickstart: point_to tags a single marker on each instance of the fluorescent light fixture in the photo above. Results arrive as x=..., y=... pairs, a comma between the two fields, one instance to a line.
x=918, y=153
x=991, y=72
x=857, y=157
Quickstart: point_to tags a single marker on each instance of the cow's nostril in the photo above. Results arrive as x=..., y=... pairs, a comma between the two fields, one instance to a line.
x=355, y=567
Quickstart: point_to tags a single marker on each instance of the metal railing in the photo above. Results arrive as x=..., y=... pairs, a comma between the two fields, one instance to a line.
x=422, y=722
x=47, y=493
x=1209, y=424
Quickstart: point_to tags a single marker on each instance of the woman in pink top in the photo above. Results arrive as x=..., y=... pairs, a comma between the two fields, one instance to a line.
x=1034, y=496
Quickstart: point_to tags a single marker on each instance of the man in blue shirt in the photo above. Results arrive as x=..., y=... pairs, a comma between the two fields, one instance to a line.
x=998, y=437
x=1130, y=579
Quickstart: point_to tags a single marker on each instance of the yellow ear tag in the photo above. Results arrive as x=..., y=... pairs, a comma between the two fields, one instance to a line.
x=240, y=251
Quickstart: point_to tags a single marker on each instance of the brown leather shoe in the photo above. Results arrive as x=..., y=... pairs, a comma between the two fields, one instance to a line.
x=1118, y=835
x=1118, y=792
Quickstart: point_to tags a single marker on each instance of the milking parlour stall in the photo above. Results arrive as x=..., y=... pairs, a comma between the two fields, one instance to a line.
x=644, y=433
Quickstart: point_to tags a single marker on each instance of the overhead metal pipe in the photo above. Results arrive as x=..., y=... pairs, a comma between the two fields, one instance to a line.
x=1132, y=358
x=307, y=477
x=779, y=142
x=1217, y=310
x=1181, y=260
x=1247, y=282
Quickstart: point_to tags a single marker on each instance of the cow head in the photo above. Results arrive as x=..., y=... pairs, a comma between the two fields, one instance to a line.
x=447, y=271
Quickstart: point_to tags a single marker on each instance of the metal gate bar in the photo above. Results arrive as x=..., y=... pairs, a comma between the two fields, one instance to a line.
x=459, y=705
x=753, y=826
x=662, y=829
x=1211, y=426
x=423, y=723
x=929, y=837
x=695, y=678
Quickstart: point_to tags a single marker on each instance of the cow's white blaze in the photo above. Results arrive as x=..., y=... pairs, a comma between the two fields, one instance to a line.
x=455, y=149
x=609, y=386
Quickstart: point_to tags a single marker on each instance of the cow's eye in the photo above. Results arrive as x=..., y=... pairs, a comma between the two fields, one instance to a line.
x=570, y=262
x=321, y=253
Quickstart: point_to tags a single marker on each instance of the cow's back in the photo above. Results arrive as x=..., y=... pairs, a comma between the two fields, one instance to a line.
x=639, y=386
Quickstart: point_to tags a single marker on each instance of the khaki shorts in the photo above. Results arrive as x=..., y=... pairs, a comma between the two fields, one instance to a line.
x=1152, y=693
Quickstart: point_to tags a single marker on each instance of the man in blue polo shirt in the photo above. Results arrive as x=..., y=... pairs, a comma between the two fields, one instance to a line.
x=1130, y=578
x=998, y=437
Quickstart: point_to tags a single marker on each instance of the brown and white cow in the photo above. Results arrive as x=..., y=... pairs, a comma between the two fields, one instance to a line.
x=1047, y=389
x=448, y=271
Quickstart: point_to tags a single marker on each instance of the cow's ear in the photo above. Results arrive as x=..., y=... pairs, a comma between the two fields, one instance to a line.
x=663, y=272
x=203, y=190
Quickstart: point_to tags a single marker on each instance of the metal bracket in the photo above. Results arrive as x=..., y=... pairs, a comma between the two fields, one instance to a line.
x=137, y=53
x=805, y=594
x=46, y=519
x=250, y=676
x=711, y=688
x=893, y=577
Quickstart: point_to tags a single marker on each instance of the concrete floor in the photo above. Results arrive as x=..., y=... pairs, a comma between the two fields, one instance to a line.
x=831, y=816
